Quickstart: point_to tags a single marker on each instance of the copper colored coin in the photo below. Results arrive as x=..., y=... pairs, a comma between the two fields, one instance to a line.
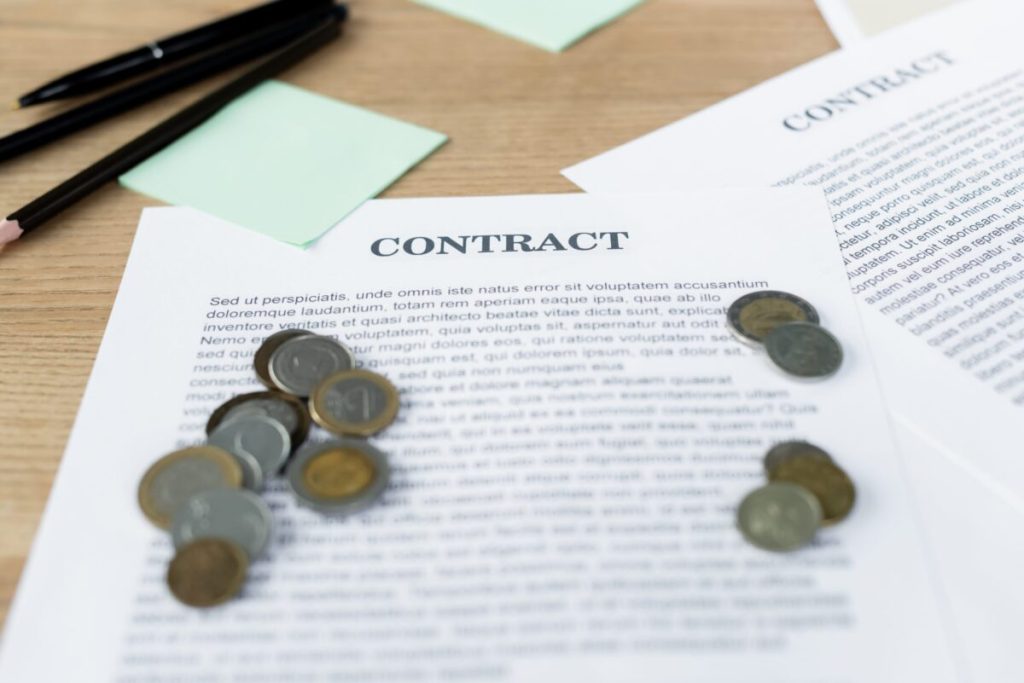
x=207, y=572
x=829, y=484
x=261, y=363
x=788, y=450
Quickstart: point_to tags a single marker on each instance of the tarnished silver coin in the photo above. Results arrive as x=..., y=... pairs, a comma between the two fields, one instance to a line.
x=261, y=361
x=753, y=316
x=354, y=403
x=339, y=477
x=290, y=411
x=804, y=350
x=788, y=450
x=262, y=438
x=298, y=365
x=234, y=515
x=275, y=409
x=780, y=517
x=252, y=472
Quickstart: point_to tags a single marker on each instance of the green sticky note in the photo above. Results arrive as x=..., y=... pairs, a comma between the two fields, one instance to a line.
x=550, y=24
x=284, y=161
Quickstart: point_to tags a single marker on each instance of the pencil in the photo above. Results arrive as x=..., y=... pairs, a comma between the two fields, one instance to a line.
x=167, y=50
x=35, y=213
x=135, y=95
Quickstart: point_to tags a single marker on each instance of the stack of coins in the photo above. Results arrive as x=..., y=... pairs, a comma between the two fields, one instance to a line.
x=206, y=496
x=789, y=329
x=806, y=491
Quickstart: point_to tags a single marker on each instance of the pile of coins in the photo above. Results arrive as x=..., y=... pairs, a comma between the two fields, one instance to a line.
x=788, y=328
x=806, y=491
x=206, y=496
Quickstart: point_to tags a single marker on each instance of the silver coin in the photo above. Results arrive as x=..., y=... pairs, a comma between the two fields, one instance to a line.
x=275, y=409
x=339, y=477
x=753, y=316
x=252, y=473
x=262, y=438
x=261, y=361
x=231, y=514
x=780, y=517
x=804, y=350
x=788, y=450
x=298, y=365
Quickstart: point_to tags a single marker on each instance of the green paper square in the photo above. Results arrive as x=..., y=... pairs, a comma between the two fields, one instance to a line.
x=285, y=162
x=549, y=24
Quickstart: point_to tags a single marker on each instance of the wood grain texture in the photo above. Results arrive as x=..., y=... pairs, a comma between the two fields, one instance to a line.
x=515, y=115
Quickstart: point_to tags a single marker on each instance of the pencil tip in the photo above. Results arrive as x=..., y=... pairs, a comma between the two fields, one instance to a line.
x=9, y=231
x=15, y=105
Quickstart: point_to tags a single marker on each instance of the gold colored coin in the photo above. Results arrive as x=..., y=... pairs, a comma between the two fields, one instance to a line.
x=764, y=315
x=338, y=473
x=753, y=316
x=207, y=572
x=788, y=450
x=827, y=481
x=341, y=477
x=354, y=403
x=176, y=477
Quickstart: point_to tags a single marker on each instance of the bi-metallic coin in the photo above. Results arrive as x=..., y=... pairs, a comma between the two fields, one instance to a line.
x=261, y=362
x=788, y=450
x=298, y=365
x=804, y=350
x=264, y=438
x=753, y=316
x=825, y=480
x=285, y=408
x=207, y=572
x=780, y=517
x=231, y=514
x=354, y=403
x=339, y=477
x=178, y=476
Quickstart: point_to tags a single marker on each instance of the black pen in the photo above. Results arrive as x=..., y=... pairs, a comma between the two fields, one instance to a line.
x=166, y=50
x=136, y=94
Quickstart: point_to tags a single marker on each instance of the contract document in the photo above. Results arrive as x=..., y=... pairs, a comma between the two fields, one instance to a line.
x=577, y=430
x=917, y=137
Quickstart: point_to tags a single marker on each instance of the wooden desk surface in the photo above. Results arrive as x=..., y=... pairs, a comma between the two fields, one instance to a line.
x=515, y=116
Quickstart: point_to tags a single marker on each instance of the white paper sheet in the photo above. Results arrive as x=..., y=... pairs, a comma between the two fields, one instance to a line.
x=577, y=430
x=853, y=20
x=741, y=142
x=977, y=550
x=914, y=173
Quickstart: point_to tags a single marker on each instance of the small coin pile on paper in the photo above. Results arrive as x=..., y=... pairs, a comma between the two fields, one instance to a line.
x=206, y=496
x=806, y=490
x=788, y=328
